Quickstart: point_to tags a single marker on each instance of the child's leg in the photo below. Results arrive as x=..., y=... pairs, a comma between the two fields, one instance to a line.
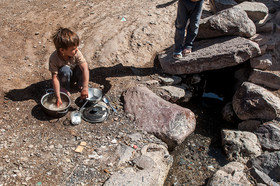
x=64, y=75
x=78, y=76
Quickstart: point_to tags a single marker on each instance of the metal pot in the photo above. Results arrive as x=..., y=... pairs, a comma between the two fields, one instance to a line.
x=94, y=95
x=48, y=102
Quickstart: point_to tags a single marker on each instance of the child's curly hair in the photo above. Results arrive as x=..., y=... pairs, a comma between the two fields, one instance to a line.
x=64, y=38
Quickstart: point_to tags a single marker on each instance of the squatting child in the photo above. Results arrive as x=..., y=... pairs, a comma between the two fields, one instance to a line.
x=67, y=64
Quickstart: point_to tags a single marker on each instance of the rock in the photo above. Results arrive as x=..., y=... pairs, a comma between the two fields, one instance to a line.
x=251, y=101
x=195, y=79
x=240, y=145
x=262, y=62
x=260, y=39
x=174, y=80
x=79, y=149
x=241, y=75
x=171, y=93
x=262, y=22
x=135, y=137
x=261, y=177
x=211, y=54
x=271, y=5
x=269, y=79
x=187, y=97
x=144, y=162
x=276, y=54
x=124, y=153
x=152, y=82
x=169, y=122
x=233, y=173
x=263, y=49
x=94, y=155
x=256, y=11
x=268, y=163
x=266, y=28
x=218, y=5
x=277, y=18
x=152, y=168
x=269, y=135
x=229, y=22
x=228, y=113
x=249, y=125
x=160, y=156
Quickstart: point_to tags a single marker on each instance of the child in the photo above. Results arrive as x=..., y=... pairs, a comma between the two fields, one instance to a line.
x=187, y=10
x=67, y=64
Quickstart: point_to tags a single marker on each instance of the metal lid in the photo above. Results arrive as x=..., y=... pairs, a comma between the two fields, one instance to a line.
x=95, y=113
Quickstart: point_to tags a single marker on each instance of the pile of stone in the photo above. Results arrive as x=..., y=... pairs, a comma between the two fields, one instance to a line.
x=242, y=32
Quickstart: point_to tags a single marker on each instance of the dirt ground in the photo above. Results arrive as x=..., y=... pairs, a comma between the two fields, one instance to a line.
x=119, y=39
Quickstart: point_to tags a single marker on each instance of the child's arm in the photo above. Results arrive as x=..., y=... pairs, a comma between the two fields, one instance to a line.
x=56, y=87
x=84, y=91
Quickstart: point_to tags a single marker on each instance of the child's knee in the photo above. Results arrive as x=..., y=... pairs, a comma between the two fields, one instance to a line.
x=65, y=71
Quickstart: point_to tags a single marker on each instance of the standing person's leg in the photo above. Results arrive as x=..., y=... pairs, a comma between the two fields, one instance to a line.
x=192, y=30
x=180, y=24
x=64, y=75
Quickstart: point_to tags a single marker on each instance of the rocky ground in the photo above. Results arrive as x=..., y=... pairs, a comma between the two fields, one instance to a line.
x=120, y=40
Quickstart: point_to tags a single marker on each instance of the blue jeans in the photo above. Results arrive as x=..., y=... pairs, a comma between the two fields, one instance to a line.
x=187, y=10
x=67, y=76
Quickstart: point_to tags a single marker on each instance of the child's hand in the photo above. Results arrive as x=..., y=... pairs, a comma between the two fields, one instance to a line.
x=84, y=93
x=58, y=102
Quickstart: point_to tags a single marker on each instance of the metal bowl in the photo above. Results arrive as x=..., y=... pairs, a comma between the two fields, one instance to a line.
x=94, y=95
x=48, y=102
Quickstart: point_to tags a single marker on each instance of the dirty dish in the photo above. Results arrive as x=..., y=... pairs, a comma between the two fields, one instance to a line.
x=94, y=95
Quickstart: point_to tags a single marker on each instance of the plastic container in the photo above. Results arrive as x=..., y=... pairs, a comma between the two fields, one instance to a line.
x=76, y=117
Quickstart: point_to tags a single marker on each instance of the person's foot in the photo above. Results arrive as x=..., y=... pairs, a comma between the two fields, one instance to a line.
x=186, y=51
x=177, y=55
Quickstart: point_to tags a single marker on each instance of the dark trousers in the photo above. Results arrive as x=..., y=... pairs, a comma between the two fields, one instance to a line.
x=187, y=10
x=67, y=76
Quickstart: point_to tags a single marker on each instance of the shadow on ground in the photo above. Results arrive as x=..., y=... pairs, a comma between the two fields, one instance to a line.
x=98, y=75
x=164, y=5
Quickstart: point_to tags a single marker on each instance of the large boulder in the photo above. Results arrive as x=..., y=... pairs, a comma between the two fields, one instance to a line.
x=171, y=93
x=261, y=62
x=251, y=101
x=249, y=125
x=268, y=163
x=256, y=11
x=169, y=122
x=276, y=53
x=152, y=167
x=262, y=178
x=240, y=145
x=269, y=135
x=218, y=5
x=211, y=54
x=233, y=173
x=269, y=79
x=229, y=22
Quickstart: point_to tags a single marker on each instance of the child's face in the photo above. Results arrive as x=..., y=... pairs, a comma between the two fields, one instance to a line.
x=70, y=51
